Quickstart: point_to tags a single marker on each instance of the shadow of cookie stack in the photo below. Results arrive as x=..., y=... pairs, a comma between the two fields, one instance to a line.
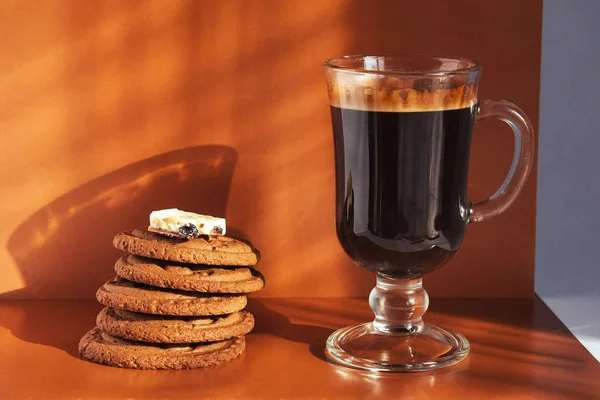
x=175, y=303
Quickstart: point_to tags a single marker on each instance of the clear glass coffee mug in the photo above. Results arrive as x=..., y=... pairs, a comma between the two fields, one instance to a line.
x=402, y=135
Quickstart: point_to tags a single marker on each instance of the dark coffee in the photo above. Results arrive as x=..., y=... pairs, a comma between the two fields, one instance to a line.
x=402, y=185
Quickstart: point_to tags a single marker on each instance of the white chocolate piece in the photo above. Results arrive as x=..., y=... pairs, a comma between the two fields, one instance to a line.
x=172, y=219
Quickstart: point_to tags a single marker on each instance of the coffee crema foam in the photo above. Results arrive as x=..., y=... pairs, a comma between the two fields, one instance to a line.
x=390, y=99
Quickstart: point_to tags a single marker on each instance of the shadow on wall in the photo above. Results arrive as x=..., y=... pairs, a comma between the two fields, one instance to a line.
x=65, y=249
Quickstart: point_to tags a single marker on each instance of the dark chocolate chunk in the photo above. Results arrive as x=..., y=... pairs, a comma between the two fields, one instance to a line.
x=189, y=230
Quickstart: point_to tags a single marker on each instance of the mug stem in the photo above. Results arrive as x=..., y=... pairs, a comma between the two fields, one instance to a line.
x=398, y=304
x=397, y=340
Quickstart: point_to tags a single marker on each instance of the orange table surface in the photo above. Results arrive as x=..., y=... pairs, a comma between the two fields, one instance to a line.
x=519, y=350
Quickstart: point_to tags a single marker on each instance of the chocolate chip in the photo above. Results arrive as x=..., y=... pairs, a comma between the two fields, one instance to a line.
x=189, y=230
x=217, y=230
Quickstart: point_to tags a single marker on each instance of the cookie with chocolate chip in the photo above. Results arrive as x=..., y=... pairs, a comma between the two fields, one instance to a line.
x=207, y=250
x=189, y=277
x=173, y=329
x=131, y=296
x=102, y=348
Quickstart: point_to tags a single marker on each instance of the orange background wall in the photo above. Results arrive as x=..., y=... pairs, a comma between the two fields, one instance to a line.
x=110, y=109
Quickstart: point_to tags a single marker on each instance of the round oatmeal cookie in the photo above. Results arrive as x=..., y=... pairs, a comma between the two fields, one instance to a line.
x=173, y=329
x=131, y=296
x=207, y=250
x=189, y=277
x=102, y=348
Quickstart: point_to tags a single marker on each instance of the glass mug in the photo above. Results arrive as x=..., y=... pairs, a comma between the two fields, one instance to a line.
x=402, y=135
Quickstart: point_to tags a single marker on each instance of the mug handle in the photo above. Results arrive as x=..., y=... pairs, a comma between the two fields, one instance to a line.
x=521, y=164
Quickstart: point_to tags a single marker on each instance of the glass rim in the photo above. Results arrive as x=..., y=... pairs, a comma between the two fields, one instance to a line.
x=473, y=66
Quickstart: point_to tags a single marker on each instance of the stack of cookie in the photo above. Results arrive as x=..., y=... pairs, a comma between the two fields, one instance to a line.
x=174, y=303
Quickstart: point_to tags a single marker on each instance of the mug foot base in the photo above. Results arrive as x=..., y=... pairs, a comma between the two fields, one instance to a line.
x=364, y=347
